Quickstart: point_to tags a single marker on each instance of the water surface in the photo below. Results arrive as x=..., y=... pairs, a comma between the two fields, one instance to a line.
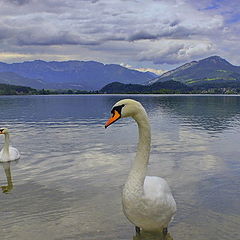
x=67, y=184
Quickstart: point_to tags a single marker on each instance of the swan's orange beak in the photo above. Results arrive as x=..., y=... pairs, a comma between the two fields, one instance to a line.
x=114, y=118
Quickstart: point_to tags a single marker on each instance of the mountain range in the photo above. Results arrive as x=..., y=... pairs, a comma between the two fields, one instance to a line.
x=210, y=75
x=15, y=79
x=85, y=75
x=213, y=71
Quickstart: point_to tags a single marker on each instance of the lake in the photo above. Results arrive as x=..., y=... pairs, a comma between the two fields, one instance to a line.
x=67, y=184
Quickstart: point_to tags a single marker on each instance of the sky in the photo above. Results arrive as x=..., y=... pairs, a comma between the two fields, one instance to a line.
x=155, y=35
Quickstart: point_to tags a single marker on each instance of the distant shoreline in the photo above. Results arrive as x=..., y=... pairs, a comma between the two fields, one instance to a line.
x=166, y=88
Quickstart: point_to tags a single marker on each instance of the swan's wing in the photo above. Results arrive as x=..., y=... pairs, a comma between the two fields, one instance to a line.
x=158, y=194
x=155, y=187
x=14, y=153
x=3, y=157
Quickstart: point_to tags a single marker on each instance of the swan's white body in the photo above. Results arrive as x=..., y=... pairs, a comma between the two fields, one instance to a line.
x=147, y=200
x=8, y=153
x=153, y=209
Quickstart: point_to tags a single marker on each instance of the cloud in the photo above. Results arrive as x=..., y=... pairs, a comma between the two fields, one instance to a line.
x=174, y=52
x=154, y=31
x=18, y=2
x=153, y=70
x=5, y=32
x=156, y=71
x=142, y=35
x=58, y=38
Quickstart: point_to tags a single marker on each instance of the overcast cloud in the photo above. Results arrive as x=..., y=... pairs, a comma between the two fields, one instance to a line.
x=156, y=34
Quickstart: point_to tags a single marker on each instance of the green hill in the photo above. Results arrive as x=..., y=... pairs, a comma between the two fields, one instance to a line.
x=213, y=69
x=6, y=89
x=174, y=87
x=159, y=87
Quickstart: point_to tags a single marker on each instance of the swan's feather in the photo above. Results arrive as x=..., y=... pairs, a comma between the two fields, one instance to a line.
x=158, y=196
x=13, y=155
x=155, y=188
x=153, y=209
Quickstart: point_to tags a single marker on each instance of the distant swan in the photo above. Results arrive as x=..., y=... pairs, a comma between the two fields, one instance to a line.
x=147, y=200
x=8, y=153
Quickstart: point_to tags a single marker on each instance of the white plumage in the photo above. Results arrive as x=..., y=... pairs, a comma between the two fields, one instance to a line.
x=8, y=153
x=153, y=209
x=147, y=200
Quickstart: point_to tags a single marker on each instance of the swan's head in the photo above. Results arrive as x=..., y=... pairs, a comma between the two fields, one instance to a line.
x=4, y=131
x=124, y=108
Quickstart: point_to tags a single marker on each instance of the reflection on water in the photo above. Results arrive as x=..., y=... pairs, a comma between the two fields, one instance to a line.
x=152, y=236
x=67, y=184
x=212, y=113
x=7, y=188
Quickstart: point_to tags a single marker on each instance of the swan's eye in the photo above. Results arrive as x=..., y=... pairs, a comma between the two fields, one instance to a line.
x=118, y=109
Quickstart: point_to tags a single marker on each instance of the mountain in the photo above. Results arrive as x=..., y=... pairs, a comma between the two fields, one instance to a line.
x=6, y=89
x=87, y=75
x=158, y=87
x=213, y=69
x=15, y=79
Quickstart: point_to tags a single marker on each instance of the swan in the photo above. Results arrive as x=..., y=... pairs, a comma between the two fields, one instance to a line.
x=8, y=153
x=147, y=200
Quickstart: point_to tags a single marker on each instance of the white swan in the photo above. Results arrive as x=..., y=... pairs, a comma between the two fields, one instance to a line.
x=8, y=153
x=147, y=200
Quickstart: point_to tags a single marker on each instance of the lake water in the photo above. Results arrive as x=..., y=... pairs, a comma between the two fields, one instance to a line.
x=67, y=184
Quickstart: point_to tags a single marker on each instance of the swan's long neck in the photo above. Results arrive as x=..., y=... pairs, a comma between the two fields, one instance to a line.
x=6, y=145
x=138, y=171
